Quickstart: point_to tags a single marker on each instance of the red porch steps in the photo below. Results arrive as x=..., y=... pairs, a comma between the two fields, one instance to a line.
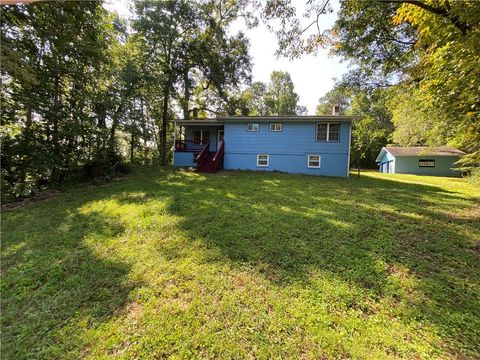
x=208, y=165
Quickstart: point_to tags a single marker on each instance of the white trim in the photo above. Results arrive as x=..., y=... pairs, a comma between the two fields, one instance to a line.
x=275, y=123
x=349, y=149
x=381, y=154
x=174, y=140
x=268, y=160
x=328, y=130
x=218, y=137
x=201, y=136
x=253, y=123
x=319, y=161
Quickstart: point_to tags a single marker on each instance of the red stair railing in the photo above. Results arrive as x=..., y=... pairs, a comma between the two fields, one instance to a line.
x=218, y=158
x=203, y=154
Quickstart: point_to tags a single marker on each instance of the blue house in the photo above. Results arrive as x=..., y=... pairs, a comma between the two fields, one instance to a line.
x=419, y=160
x=317, y=145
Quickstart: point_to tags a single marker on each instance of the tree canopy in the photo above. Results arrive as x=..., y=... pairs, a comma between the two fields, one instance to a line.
x=428, y=53
x=278, y=97
x=84, y=90
x=425, y=52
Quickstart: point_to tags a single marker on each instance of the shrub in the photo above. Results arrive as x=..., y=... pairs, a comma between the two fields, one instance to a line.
x=105, y=167
x=474, y=176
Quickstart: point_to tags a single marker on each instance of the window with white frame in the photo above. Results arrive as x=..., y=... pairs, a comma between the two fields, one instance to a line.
x=328, y=131
x=201, y=137
x=314, y=161
x=276, y=126
x=253, y=127
x=263, y=159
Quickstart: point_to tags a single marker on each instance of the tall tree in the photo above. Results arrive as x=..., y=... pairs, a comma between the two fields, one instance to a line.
x=62, y=46
x=338, y=96
x=372, y=127
x=429, y=47
x=280, y=97
x=188, y=48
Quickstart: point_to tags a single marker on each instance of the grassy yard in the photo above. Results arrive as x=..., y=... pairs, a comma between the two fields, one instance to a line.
x=245, y=265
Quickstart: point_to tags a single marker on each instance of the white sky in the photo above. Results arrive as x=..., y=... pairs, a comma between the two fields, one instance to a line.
x=313, y=75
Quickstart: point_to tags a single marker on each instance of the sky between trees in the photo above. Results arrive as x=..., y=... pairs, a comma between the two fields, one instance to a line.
x=312, y=75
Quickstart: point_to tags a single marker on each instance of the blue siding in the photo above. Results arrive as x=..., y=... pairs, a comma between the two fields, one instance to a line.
x=213, y=136
x=288, y=149
x=331, y=164
x=443, y=165
x=183, y=159
x=186, y=158
x=387, y=163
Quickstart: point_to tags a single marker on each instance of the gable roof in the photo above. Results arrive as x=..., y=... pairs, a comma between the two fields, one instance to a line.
x=289, y=118
x=420, y=151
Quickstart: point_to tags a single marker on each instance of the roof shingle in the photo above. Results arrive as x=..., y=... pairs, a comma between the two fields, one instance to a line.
x=423, y=151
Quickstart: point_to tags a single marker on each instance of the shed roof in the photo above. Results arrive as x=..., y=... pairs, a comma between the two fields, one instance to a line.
x=424, y=150
x=420, y=151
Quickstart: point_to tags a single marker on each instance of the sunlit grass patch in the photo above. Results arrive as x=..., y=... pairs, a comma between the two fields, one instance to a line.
x=245, y=265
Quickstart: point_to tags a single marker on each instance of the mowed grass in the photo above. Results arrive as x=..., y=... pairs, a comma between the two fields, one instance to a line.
x=169, y=263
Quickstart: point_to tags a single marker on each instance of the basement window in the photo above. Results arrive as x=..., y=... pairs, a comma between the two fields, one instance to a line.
x=313, y=161
x=263, y=160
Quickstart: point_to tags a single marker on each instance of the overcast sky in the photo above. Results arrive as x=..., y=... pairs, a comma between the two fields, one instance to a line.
x=312, y=74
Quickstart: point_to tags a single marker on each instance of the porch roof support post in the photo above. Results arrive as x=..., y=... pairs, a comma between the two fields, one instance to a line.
x=174, y=140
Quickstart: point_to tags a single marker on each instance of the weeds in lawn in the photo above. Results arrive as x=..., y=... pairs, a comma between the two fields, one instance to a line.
x=243, y=264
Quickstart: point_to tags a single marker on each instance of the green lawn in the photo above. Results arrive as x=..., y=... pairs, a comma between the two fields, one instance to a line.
x=245, y=265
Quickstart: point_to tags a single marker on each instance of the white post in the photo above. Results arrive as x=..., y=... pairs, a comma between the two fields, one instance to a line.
x=174, y=140
x=349, y=148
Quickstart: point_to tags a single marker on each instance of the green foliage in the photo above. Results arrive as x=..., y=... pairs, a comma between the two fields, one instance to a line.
x=474, y=176
x=188, y=54
x=416, y=123
x=169, y=263
x=338, y=96
x=429, y=51
x=294, y=37
x=64, y=47
x=371, y=131
x=372, y=126
x=278, y=97
x=78, y=81
x=254, y=100
x=106, y=164
x=364, y=32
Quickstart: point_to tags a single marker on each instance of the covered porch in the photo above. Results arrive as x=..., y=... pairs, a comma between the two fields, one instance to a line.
x=199, y=143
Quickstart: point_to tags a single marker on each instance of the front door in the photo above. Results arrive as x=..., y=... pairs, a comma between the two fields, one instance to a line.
x=219, y=137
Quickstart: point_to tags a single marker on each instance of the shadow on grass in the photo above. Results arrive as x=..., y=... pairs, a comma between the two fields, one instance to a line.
x=52, y=281
x=366, y=232
x=369, y=232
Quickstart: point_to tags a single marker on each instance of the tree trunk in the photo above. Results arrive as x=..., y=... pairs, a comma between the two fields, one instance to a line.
x=166, y=96
x=132, y=145
x=358, y=165
x=115, y=119
x=144, y=130
x=186, y=94
x=55, y=137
